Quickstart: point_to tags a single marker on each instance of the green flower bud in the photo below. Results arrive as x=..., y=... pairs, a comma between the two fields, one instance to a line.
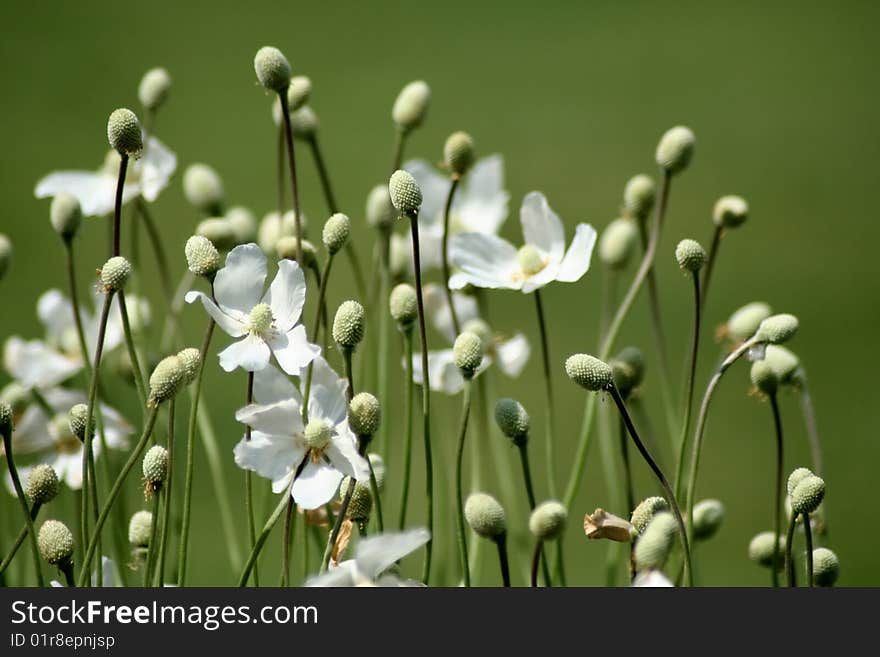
x=203, y=188
x=5, y=419
x=166, y=380
x=202, y=256
x=675, y=150
x=808, y=494
x=777, y=329
x=42, y=484
x=730, y=212
x=764, y=378
x=243, y=223
x=708, y=516
x=191, y=360
x=155, y=467
x=285, y=247
x=628, y=370
x=154, y=88
x=406, y=196
x=783, y=363
x=513, y=420
x=485, y=516
x=219, y=231
x=547, y=521
x=617, y=243
x=348, y=325
x=745, y=321
x=646, y=510
x=654, y=545
x=826, y=567
x=140, y=529
x=361, y=504
x=411, y=105
x=378, y=465
x=77, y=418
x=56, y=543
x=5, y=255
x=298, y=92
x=761, y=550
x=115, y=273
x=124, y=132
x=458, y=153
x=272, y=69
x=639, y=195
x=797, y=476
x=65, y=215
x=336, y=232
x=690, y=255
x=304, y=123
x=404, y=306
x=318, y=434
x=380, y=211
x=364, y=414
x=589, y=372
x=467, y=353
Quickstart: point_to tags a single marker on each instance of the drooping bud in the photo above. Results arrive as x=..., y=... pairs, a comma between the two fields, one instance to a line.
x=589, y=372
x=406, y=196
x=764, y=378
x=411, y=105
x=348, y=325
x=364, y=414
x=124, y=132
x=628, y=370
x=336, y=232
x=675, y=150
x=56, y=544
x=743, y=323
x=304, y=123
x=286, y=249
x=115, y=274
x=219, y=231
x=65, y=214
x=485, y=516
x=77, y=419
x=730, y=212
x=155, y=467
x=467, y=353
x=777, y=329
x=202, y=256
x=154, y=88
x=646, y=510
x=808, y=494
x=191, y=360
x=761, y=550
x=784, y=363
x=272, y=69
x=513, y=420
x=298, y=92
x=243, y=224
x=361, y=504
x=548, y=520
x=654, y=545
x=797, y=476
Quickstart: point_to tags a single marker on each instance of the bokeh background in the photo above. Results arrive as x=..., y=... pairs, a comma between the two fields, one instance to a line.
x=783, y=100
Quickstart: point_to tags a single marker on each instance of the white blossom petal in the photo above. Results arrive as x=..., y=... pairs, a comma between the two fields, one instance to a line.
x=293, y=351
x=480, y=206
x=434, y=187
x=286, y=295
x=35, y=365
x=343, y=454
x=239, y=284
x=542, y=228
x=270, y=456
x=156, y=167
x=316, y=485
x=327, y=396
x=282, y=418
x=444, y=375
x=542, y=278
x=437, y=309
x=651, y=578
x=484, y=260
x=56, y=314
x=577, y=258
x=95, y=191
x=512, y=355
x=344, y=575
x=231, y=325
x=250, y=353
x=376, y=554
x=271, y=385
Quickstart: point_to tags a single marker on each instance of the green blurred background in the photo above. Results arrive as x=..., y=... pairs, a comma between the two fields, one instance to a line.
x=782, y=98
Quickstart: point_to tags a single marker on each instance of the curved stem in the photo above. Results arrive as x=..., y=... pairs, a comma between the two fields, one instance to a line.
x=627, y=469
x=689, y=388
x=408, y=431
x=291, y=158
x=808, y=537
x=19, y=540
x=445, y=253
x=340, y=516
x=22, y=499
x=710, y=263
x=117, y=208
x=260, y=541
x=132, y=351
x=501, y=543
x=459, y=498
x=377, y=500
x=777, y=512
x=166, y=511
x=527, y=474
x=549, y=438
x=536, y=557
x=248, y=478
x=789, y=559
x=289, y=525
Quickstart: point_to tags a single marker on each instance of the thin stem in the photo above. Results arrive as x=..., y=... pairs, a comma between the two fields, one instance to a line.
x=689, y=388
x=19, y=540
x=549, y=438
x=459, y=498
x=289, y=524
x=397, y=151
x=408, y=430
x=560, y=563
x=777, y=513
x=627, y=469
x=22, y=499
x=377, y=501
x=536, y=557
x=789, y=559
x=349, y=373
x=248, y=479
x=167, y=486
x=445, y=253
x=316, y=327
x=117, y=208
x=132, y=351
x=809, y=413
x=294, y=189
x=501, y=543
x=74, y=303
x=260, y=540
x=154, y=544
x=710, y=262
x=808, y=537
x=530, y=493
x=384, y=332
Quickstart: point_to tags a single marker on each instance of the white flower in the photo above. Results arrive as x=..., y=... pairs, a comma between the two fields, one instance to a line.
x=280, y=441
x=108, y=570
x=96, y=190
x=479, y=204
x=267, y=323
x=373, y=557
x=652, y=579
x=489, y=261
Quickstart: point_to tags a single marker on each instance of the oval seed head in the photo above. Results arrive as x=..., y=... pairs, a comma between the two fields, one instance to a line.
x=589, y=372
x=364, y=414
x=272, y=69
x=56, y=543
x=361, y=503
x=219, y=231
x=318, y=434
x=646, y=510
x=797, y=476
x=336, y=232
x=65, y=215
x=298, y=92
x=777, y=328
x=411, y=105
x=5, y=255
x=155, y=467
x=348, y=325
x=403, y=303
x=628, y=370
x=708, y=516
x=743, y=323
x=166, y=380
x=764, y=378
x=730, y=212
x=203, y=188
x=690, y=255
x=400, y=256
x=378, y=465
x=140, y=529
x=77, y=418
x=675, y=150
x=304, y=123
x=380, y=211
x=42, y=484
x=548, y=520
x=761, y=550
x=458, y=152
x=639, y=195
x=513, y=420
x=202, y=256
x=481, y=329
x=654, y=545
x=6, y=423
x=826, y=567
x=115, y=273
x=485, y=515
x=191, y=360
x=124, y=132
x=467, y=353
x=243, y=223
x=406, y=196
x=154, y=88
x=808, y=494
x=617, y=243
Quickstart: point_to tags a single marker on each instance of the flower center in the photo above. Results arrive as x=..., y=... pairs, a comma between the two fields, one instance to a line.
x=65, y=441
x=318, y=434
x=260, y=319
x=530, y=260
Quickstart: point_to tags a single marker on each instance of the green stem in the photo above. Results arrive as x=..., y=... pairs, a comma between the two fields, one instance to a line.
x=536, y=557
x=349, y=373
x=117, y=208
x=169, y=480
x=627, y=469
x=808, y=537
x=279, y=171
x=549, y=439
x=777, y=514
x=501, y=543
x=19, y=540
x=789, y=559
x=445, y=253
x=530, y=493
x=384, y=335
x=260, y=541
x=154, y=544
x=316, y=327
x=22, y=499
x=397, y=151
x=710, y=263
x=289, y=524
x=689, y=389
x=248, y=479
x=294, y=189
x=408, y=431
x=459, y=498
x=809, y=413
x=377, y=500
x=132, y=351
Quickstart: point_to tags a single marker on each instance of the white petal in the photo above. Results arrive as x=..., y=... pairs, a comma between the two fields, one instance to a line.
x=233, y=326
x=434, y=186
x=651, y=578
x=56, y=313
x=377, y=554
x=250, y=353
x=541, y=226
x=239, y=284
x=116, y=428
x=272, y=457
x=577, y=258
x=316, y=485
x=327, y=398
x=271, y=385
x=36, y=365
x=108, y=570
x=293, y=351
x=344, y=456
x=542, y=278
x=484, y=261
x=444, y=375
x=513, y=354
x=481, y=204
x=437, y=309
x=96, y=192
x=343, y=575
x=286, y=295
x=282, y=418
x=156, y=167
x=68, y=467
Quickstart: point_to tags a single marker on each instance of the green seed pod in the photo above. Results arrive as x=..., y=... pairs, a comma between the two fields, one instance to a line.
x=646, y=510
x=380, y=211
x=5, y=255
x=219, y=231
x=203, y=188
x=202, y=256
x=808, y=494
x=783, y=362
x=42, y=484
x=115, y=274
x=6, y=424
x=166, y=380
x=628, y=370
x=364, y=414
x=272, y=69
x=155, y=467
x=761, y=550
x=458, y=153
x=797, y=476
x=361, y=504
x=777, y=329
x=617, y=243
x=406, y=196
x=548, y=520
x=690, y=255
x=589, y=372
x=764, y=378
x=56, y=543
x=708, y=516
x=467, y=353
x=243, y=223
x=154, y=88
x=140, y=529
x=730, y=212
x=124, y=132
x=191, y=360
x=298, y=92
x=654, y=545
x=403, y=303
x=318, y=434
x=411, y=105
x=513, y=420
x=639, y=195
x=336, y=232
x=743, y=323
x=348, y=325
x=77, y=418
x=826, y=567
x=485, y=516
x=378, y=465
x=675, y=150
x=304, y=123
x=65, y=214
